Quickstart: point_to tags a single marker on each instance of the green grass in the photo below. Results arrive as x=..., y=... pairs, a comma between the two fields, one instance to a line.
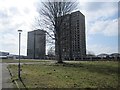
x=82, y=74
x=22, y=60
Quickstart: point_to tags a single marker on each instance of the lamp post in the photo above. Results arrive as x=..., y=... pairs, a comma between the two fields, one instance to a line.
x=19, y=54
x=34, y=44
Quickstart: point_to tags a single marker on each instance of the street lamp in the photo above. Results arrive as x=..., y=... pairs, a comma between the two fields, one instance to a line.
x=34, y=44
x=19, y=54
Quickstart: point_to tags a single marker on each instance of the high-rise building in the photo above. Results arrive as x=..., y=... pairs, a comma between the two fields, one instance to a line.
x=72, y=36
x=36, y=44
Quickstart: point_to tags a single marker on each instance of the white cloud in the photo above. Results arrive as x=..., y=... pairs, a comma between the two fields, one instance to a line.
x=101, y=17
x=14, y=15
x=97, y=27
x=98, y=49
x=112, y=28
x=9, y=42
x=108, y=27
x=19, y=14
x=99, y=0
x=97, y=10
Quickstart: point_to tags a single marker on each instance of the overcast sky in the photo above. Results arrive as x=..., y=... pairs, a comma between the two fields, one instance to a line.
x=101, y=24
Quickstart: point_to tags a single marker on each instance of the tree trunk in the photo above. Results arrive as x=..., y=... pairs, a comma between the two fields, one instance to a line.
x=58, y=51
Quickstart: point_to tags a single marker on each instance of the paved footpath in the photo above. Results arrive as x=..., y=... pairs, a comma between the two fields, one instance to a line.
x=6, y=78
x=0, y=75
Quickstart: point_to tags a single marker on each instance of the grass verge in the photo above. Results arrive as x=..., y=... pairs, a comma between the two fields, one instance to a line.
x=82, y=74
x=22, y=60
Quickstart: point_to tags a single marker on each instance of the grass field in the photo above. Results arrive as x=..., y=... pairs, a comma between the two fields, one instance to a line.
x=22, y=60
x=82, y=74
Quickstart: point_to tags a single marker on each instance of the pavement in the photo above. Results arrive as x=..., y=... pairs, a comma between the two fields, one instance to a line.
x=0, y=75
x=6, y=78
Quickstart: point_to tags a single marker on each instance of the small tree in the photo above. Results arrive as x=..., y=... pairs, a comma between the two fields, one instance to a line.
x=51, y=51
x=52, y=12
x=90, y=54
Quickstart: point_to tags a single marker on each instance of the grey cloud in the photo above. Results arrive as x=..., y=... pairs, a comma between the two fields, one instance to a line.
x=10, y=29
x=119, y=9
x=13, y=10
x=27, y=10
x=3, y=14
x=7, y=14
x=94, y=6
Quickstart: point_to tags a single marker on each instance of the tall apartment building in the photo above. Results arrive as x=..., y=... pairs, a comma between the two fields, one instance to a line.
x=72, y=36
x=36, y=44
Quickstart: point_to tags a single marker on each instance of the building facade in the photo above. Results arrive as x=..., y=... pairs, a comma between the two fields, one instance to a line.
x=72, y=36
x=36, y=44
x=4, y=53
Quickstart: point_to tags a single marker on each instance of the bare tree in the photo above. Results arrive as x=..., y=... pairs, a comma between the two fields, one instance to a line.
x=51, y=51
x=53, y=13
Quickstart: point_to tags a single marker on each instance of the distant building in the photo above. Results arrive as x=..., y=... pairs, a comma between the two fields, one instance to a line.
x=103, y=55
x=72, y=36
x=36, y=44
x=115, y=55
x=3, y=55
